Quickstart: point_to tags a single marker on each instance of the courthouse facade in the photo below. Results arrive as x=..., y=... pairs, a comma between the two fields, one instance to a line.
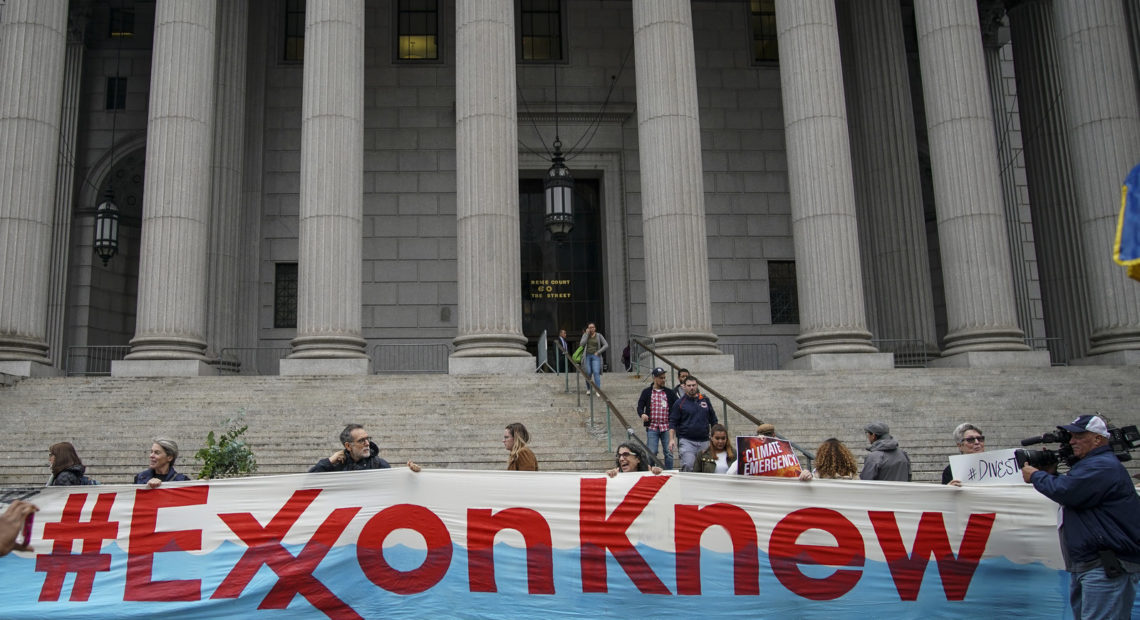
x=828, y=183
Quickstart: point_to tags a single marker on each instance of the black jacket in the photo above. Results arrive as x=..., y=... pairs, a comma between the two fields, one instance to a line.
x=692, y=417
x=643, y=403
x=145, y=476
x=72, y=476
x=347, y=464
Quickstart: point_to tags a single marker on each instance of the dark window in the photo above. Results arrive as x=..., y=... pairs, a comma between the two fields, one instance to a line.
x=418, y=30
x=782, y=291
x=285, y=295
x=116, y=93
x=763, y=23
x=294, y=30
x=122, y=23
x=540, y=29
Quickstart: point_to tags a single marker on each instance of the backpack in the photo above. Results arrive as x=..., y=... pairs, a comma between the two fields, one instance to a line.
x=84, y=480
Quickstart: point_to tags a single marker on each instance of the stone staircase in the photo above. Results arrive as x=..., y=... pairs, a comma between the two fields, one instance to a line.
x=457, y=421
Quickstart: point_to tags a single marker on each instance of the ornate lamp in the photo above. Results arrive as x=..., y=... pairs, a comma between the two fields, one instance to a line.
x=559, y=186
x=107, y=229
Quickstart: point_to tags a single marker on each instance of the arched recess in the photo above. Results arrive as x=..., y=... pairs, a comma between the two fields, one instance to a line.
x=102, y=300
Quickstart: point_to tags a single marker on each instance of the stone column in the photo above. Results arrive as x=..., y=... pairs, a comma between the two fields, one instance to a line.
x=888, y=185
x=1104, y=135
x=170, y=328
x=490, y=338
x=1049, y=175
x=229, y=138
x=329, y=337
x=982, y=320
x=673, y=206
x=33, y=40
x=833, y=325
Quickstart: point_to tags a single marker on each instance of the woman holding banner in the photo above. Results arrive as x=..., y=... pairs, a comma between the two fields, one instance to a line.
x=833, y=461
x=715, y=458
x=629, y=457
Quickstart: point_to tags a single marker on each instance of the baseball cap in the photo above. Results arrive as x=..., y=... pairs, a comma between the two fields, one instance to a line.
x=1088, y=423
x=766, y=429
x=877, y=428
x=657, y=372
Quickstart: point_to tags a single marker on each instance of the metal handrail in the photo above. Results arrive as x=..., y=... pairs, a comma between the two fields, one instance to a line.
x=249, y=360
x=610, y=408
x=723, y=399
x=908, y=352
x=96, y=359
x=410, y=357
x=1056, y=346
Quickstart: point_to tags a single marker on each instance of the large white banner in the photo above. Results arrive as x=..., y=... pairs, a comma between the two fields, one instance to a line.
x=391, y=543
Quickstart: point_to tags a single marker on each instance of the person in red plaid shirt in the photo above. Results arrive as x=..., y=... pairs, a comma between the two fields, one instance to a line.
x=653, y=406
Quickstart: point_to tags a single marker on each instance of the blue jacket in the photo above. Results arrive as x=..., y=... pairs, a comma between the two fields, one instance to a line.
x=692, y=417
x=1100, y=509
x=145, y=476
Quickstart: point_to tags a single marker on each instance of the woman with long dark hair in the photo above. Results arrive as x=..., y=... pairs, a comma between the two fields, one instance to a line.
x=66, y=468
x=630, y=457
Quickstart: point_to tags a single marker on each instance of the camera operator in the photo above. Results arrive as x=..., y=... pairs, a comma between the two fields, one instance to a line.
x=1099, y=522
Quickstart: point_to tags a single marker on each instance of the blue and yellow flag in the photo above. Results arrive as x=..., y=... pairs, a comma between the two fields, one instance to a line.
x=1127, y=250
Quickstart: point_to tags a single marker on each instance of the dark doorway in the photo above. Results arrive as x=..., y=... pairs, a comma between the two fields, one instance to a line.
x=561, y=282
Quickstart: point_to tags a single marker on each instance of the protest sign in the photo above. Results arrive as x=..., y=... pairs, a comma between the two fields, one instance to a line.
x=993, y=467
x=766, y=456
x=391, y=543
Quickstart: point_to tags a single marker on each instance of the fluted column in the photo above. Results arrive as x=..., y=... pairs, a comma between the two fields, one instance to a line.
x=977, y=278
x=332, y=193
x=170, y=328
x=1104, y=134
x=673, y=208
x=33, y=39
x=225, y=221
x=830, y=282
x=487, y=194
x=887, y=181
x=1049, y=175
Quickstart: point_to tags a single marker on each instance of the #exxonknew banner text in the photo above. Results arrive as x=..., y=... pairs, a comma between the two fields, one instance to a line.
x=507, y=544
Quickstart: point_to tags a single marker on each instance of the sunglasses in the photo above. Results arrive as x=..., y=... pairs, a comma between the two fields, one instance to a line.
x=625, y=454
x=978, y=439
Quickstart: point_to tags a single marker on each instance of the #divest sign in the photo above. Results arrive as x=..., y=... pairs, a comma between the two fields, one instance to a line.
x=391, y=543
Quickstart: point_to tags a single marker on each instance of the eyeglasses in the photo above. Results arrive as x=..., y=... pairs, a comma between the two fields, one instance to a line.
x=363, y=441
x=978, y=439
x=625, y=455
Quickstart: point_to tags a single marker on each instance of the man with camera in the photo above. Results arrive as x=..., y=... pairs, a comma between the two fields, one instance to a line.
x=1099, y=522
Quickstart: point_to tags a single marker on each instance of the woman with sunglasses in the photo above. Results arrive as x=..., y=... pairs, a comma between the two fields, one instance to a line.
x=970, y=440
x=630, y=457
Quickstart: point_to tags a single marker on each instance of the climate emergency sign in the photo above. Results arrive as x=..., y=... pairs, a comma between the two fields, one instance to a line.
x=509, y=544
x=766, y=456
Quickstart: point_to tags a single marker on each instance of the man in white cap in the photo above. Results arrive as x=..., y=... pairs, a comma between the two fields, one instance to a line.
x=885, y=460
x=1100, y=522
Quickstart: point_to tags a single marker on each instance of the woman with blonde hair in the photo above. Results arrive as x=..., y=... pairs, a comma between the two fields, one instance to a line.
x=521, y=458
x=833, y=461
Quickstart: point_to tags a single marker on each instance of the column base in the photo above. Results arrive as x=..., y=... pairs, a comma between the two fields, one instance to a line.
x=310, y=366
x=514, y=365
x=994, y=359
x=29, y=369
x=1116, y=358
x=842, y=361
x=697, y=364
x=161, y=368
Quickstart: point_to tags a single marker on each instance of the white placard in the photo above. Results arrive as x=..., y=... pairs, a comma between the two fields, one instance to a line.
x=986, y=468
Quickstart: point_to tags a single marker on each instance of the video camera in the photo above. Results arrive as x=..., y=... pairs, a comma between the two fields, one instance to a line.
x=1122, y=441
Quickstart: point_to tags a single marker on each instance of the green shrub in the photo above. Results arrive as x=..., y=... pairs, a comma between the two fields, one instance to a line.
x=228, y=455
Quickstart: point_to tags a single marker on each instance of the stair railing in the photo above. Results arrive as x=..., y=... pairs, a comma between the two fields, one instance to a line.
x=592, y=390
x=726, y=404
x=93, y=360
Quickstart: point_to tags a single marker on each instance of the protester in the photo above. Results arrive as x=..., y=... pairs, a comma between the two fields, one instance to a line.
x=715, y=459
x=359, y=453
x=970, y=441
x=1099, y=522
x=689, y=421
x=765, y=430
x=515, y=437
x=163, y=453
x=66, y=468
x=595, y=344
x=833, y=461
x=12, y=525
x=679, y=389
x=629, y=458
x=653, y=406
x=885, y=460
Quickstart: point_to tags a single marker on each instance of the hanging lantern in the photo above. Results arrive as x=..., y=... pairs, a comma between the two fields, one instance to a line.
x=107, y=229
x=559, y=186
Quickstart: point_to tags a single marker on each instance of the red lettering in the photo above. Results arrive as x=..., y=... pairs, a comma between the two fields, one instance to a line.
x=691, y=523
x=144, y=542
x=931, y=538
x=295, y=574
x=370, y=549
x=785, y=554
x=599, y=533
x=481, y=529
